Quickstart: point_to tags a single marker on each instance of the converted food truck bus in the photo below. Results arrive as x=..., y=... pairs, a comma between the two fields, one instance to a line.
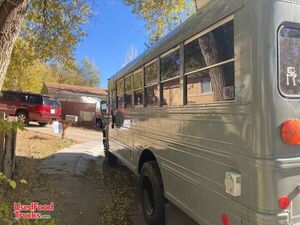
x=209, y=117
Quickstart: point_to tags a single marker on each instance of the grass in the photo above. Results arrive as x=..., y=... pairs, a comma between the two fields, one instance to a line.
x=32, y=144
x=31, y=148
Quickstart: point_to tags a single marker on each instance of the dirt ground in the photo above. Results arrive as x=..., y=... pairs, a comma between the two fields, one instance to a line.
x=84, y=189
x=75, y=133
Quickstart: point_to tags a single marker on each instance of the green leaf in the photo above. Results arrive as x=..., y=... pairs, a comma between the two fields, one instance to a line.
x=23, y=181
x=12, y=183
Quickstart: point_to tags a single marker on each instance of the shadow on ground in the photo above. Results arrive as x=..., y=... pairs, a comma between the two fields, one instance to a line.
x=84, y=189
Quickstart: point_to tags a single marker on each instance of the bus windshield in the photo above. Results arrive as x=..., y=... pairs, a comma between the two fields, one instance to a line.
x=289, y=60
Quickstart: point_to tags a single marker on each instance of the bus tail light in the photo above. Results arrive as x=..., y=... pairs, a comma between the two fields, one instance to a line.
x=284, y=202
x=290, y=132
x=225, y=219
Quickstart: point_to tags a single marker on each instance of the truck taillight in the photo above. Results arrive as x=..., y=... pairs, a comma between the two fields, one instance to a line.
x=290, y=132
x=43, y=108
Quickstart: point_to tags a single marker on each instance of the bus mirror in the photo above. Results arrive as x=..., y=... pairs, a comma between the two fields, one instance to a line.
x=103, y=108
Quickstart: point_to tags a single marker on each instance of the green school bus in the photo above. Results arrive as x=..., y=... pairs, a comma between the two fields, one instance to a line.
x=209, y=117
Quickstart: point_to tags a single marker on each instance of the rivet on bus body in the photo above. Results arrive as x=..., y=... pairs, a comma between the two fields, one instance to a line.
x=225, y=219
x=284, y=202
x=290, y=132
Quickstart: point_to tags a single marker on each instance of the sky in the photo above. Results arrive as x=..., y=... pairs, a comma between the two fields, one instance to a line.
x=113, y=33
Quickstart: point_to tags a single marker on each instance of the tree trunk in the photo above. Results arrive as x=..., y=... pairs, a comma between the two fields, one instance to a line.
x=208, y=45
x=11, y=18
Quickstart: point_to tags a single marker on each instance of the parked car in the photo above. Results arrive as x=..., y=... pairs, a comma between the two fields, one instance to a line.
x=30, y=107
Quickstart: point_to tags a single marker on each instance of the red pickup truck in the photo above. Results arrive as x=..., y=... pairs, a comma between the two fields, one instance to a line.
x=30, y=107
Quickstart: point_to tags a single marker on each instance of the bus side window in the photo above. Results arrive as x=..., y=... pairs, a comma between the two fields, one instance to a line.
x=151, y=82
x=128, y=92
x=170, y=78
x=120, y=94
x=209, y=66
x=138, y=92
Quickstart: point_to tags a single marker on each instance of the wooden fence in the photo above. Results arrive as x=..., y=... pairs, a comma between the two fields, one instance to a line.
x=8, y=148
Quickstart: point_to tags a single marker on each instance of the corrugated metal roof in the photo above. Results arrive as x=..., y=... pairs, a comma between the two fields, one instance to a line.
x=75, y=88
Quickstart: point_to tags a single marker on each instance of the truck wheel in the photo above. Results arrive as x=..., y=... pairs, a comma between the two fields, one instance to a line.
x=22, y=117
x=111, y=159
x=152, y=194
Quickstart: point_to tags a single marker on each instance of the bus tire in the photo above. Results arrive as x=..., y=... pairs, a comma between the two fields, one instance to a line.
x=152, y=194
x=111, y=159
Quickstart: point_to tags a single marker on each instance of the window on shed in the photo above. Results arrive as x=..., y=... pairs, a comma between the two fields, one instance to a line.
x=170, y=65
x=205, y=85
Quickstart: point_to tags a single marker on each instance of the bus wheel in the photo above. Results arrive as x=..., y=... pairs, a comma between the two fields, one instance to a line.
x=111, y=159
x=152, y=194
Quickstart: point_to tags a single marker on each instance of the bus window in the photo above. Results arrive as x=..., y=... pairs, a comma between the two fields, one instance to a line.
x=209, y=66
x=200, y=89
x=170, y=65
x=170, y=72
x=151, y=81
x=151, y=74
x=120, y=94
x=289, y=63
x=172, y=94
x=128, y=91
x=138, y=88
x=152, y=94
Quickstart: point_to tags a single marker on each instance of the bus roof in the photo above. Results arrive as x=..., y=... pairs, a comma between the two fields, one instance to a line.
x=213, y=12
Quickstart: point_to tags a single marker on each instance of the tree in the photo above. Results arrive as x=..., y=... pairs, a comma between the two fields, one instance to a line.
x=11, y=18
x=52, y=28
x=131, y=54
x=161, y=16
x=90, y=73
x=25, y=72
